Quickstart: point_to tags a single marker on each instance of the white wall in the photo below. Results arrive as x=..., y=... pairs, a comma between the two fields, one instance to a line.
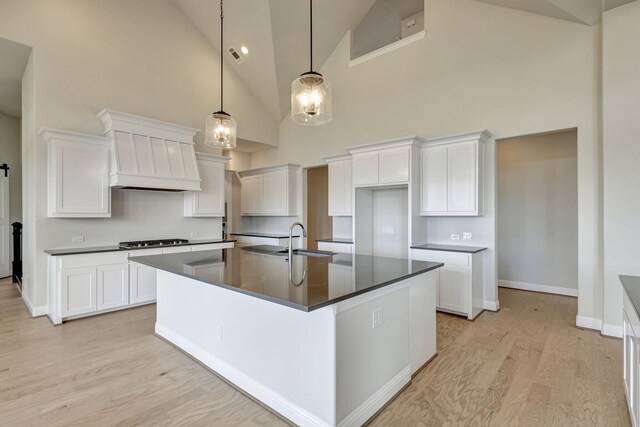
x=621, y=109
x=10, y=154
x=142, y=57
x=538, y=209
x=480, y=66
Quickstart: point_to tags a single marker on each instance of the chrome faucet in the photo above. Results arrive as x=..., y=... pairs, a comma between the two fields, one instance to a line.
x=304, y=233
x=304, y=272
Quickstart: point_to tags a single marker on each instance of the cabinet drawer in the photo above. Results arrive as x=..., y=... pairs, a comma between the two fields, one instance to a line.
x=92, y=260
x=448, y=258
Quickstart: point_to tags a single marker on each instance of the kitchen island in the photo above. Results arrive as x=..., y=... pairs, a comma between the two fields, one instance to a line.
x=321, y=340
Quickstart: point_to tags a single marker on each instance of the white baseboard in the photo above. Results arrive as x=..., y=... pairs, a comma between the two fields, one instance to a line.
x=589, y=323
x=492, y=305
x=265, y=395
x=36, y=311
x=612, y=330
x=535, y=287
x=377, y=400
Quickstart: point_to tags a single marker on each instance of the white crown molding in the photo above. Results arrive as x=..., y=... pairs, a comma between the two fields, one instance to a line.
x=124, y=122
x=412, y=140
x=257, y=171
x=482, y=135
x=64, y=135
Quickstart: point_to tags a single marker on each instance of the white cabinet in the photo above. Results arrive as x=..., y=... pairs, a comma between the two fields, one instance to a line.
x=210, y=201
x=382, y=166
x=113, y=286
x=78, y=175
x=270, y=191
x=451, y=171
x=345, y=248
x=86, y=284
x=142, y=282
x=251, y=195
x=460, y=287
x=631, y=374
x=340, y=186
x=78, y=288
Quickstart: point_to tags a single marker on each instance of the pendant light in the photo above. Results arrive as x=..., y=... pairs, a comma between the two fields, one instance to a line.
x=221, y=127
x=311, y=92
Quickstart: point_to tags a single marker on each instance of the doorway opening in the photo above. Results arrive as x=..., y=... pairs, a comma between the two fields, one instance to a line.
x=538, y=212
x=319, y=223
x=15, y=58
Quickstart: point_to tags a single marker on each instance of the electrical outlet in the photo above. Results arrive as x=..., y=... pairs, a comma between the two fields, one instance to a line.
x=195, y=233
x=377, y=316
x=455, y=237
x=219, y=333
x=387, y=230
x=466, y=236
x=77, y=239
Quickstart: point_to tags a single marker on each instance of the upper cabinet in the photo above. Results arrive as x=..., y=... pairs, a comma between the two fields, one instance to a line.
x=452, y=175
x=210, y=201
x=340, y=187
x=270, y=191
x=78, y=175
x=384, y=163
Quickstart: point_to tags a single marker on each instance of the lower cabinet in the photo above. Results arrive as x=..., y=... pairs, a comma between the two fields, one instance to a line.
x=631, y=340
x=460, y=287
x=344, y=248
x=142, y=283
x=86, y=284
x=78, y=288
x=112, y=286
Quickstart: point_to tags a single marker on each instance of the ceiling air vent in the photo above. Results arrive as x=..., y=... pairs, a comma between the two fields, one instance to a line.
x=236, y=55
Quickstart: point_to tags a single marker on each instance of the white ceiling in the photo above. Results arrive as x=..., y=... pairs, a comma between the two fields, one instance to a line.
x=587, y=12
x=12, y=65
x=276, y=32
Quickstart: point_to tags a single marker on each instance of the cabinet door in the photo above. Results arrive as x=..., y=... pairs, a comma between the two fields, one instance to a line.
x=454, y=288
x=113, y=286
x=365, y=169
x=210, y=201
x=78, y=291
x=348, y=188
x=462, y=189
x=337, y=187
x=275, y=192
x=434, y=180
x=142, y=281
x=79, y=180
x=394, y=166
x=251, y=195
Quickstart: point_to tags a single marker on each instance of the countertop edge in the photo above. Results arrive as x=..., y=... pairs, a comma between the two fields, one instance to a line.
x=97, y=250
x=330, y=240
x=459, y=249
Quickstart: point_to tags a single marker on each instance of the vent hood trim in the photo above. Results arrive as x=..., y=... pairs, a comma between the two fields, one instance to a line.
x=150, y=154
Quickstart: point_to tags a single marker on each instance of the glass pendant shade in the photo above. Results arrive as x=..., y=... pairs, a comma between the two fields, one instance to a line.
x=311, y=99
x=221, y=130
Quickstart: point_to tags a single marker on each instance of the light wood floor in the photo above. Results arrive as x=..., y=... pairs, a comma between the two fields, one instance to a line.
x=525, y=365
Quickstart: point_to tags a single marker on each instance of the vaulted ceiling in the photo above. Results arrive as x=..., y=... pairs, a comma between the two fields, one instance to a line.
x=276, y=32
x=12, y=65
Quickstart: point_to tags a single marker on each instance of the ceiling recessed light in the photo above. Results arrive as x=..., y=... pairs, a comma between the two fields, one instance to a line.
x=244, y=50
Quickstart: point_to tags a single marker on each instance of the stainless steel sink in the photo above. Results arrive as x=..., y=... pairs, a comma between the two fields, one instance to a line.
x=306, y=252
x=282, y=251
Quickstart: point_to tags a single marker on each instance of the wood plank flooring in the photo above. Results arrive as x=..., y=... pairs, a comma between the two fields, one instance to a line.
x=527, y=365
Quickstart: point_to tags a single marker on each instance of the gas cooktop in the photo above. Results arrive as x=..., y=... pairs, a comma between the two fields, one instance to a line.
x=152, y=243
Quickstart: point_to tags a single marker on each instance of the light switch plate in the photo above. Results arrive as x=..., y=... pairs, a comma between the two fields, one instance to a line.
x=455, y=237
x=466, y=236
x=77, y=239
x=377, y=318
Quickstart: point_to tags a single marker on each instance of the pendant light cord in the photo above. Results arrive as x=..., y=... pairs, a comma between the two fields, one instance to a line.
x=310, y=35
x=221, y=57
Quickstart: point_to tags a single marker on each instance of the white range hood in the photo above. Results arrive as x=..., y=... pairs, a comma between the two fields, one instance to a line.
x=149, y=154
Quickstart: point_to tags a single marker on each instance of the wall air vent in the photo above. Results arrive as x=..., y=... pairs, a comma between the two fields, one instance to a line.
x=236, y=55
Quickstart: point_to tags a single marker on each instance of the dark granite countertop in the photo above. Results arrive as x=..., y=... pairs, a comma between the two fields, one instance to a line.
x=450, y=248
x=336, y=240
x=116, y=248
x=267, y=235
x=271, y=283
x=631, y=285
